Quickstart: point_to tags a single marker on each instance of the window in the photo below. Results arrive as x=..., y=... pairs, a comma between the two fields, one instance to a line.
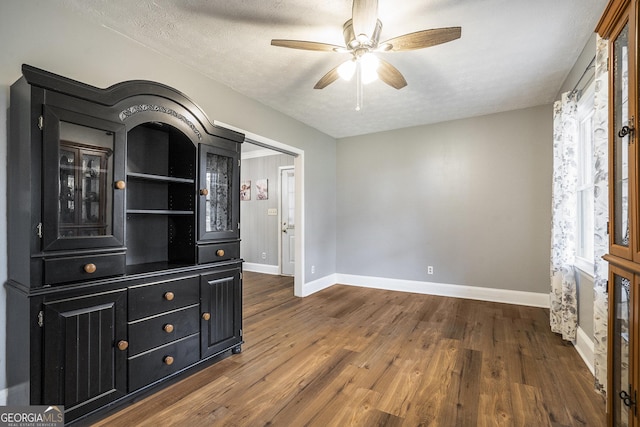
x=585, y=208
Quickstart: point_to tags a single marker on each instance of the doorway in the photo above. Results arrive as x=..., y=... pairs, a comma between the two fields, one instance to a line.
x=298, y=165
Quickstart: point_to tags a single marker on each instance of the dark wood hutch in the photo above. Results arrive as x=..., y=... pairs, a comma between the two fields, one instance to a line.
x=123, y=242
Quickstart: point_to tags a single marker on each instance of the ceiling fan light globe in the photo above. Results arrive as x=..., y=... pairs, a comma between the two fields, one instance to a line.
x=347, y=69
x=369, y=75
x=369, y=64
x=369, y=61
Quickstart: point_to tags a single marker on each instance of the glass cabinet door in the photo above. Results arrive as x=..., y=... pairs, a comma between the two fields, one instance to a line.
x=622, y=397
x=82, y=196
x=84, y=173
x=621, y=137
x=219, y=194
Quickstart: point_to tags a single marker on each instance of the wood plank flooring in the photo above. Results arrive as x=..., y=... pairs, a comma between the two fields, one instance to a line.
x=349, y=356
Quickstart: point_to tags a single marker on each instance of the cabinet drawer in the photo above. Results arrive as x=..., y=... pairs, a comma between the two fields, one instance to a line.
x=158, y=330
x=154, y=365
x=87, y=267
x=218, y=252
x=158, y=297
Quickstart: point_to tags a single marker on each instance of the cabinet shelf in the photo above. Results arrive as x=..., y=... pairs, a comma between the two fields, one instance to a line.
x=159, y=178
x=157, y=212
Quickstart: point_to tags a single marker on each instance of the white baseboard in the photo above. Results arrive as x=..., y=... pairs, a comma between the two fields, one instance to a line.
x=585, y=348
x=261, y=268
x=531, y=299
x=318, y=285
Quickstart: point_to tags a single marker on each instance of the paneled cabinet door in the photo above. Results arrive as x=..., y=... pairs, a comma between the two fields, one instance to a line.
x=83, y=182
x=85, y=352
x=221, y=307
x=623, y=366
x=219, y=194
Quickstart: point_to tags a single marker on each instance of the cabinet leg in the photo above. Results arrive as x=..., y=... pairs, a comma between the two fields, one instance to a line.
x=237, y=349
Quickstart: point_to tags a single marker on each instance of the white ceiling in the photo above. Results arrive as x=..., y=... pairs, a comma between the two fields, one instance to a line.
x=512, y=54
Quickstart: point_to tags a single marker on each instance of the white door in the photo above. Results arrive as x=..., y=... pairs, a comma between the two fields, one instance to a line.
x=287, y=220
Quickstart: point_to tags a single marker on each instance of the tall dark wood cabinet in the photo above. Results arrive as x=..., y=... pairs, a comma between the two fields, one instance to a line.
x=619, y=26
x=123, y=242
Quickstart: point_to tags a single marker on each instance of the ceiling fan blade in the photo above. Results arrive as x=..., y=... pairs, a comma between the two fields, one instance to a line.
x=328, y=78
x=390, y=75
x=422, y=39
x=364, y=15
x=305, y=45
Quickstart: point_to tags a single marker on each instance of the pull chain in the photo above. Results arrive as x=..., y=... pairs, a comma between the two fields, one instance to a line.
x=358, y=86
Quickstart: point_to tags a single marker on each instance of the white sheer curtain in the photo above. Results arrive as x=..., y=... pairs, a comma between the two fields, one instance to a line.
x=563, y=301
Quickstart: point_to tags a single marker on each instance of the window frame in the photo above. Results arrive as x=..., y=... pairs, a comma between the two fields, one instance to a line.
x=585, y=182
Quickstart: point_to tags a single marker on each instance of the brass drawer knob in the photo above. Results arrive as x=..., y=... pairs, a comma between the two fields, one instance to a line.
x=168, y=328
x=90, y=268
x=168, y=360
x=168, y=296
x=123, y=345
x=120, y=185
x=206, y=316
x=204, y=192
x=220, y=252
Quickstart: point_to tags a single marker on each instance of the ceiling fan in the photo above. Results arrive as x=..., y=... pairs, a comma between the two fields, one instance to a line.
x=361, y=36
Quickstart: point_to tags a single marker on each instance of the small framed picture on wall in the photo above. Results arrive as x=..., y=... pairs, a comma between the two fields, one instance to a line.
x=245, y=190
x=262, y=188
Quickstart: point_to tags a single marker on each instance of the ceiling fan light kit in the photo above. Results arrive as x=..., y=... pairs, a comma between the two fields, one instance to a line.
x=361, y=35
x=347, y=69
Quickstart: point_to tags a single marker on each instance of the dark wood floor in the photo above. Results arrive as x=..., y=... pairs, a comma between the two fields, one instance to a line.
x=350, y=356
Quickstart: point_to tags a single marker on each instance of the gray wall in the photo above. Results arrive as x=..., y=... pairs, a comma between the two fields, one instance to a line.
x=470, y=197
x=39, y=33
x=260, y=232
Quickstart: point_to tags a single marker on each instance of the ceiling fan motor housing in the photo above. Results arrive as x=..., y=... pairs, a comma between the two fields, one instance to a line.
x=353, y=42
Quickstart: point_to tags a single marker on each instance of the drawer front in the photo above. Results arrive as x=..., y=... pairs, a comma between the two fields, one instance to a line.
x=218, y=252
x=159, y=297
x=86, y=267
x=158, y=330
x=154, y=365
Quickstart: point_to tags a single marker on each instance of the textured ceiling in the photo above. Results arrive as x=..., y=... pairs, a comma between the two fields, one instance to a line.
x=512, y=54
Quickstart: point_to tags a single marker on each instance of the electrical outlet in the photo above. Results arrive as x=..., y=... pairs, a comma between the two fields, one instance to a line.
x=313, y=269
x=430, y=269
x=264, y=255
